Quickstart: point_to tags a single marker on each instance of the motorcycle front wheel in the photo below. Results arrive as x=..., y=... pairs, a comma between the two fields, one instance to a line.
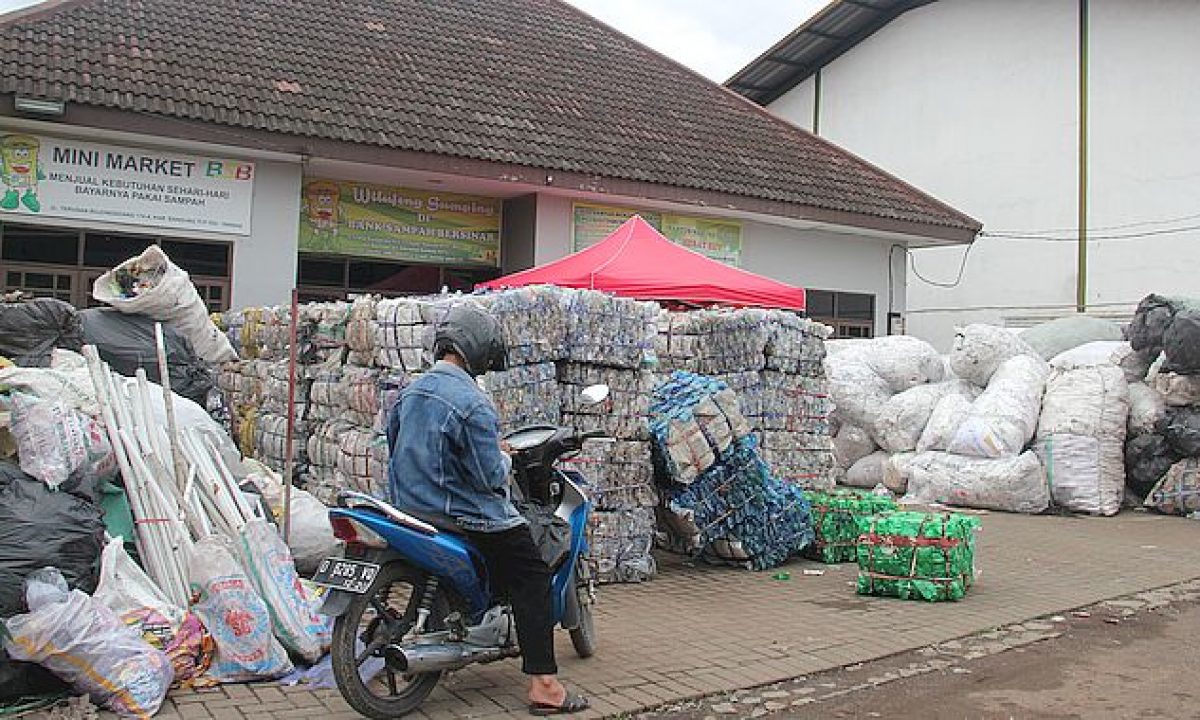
x=375, y=619
x=583, y=638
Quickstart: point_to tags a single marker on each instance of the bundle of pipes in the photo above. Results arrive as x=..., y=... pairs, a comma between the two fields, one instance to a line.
x=179, y=484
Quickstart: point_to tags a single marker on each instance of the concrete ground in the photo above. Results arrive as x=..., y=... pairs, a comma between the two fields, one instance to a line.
x=699, y=631
x=1130, y=657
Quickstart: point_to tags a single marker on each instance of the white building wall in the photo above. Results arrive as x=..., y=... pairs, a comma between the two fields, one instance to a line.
x=264, y=264
x=976, y=102
x=797, y=104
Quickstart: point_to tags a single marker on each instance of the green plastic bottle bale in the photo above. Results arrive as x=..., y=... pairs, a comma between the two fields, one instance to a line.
x=837, y=515
x=917, y=556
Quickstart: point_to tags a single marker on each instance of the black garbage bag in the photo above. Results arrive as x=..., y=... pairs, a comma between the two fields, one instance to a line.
x=1182, y=431
x=1181, y=342
x=31, y=329
x=1150, y=321
x=40, y=528
x=126, y=343
x=22, y=679
x=1147, y=460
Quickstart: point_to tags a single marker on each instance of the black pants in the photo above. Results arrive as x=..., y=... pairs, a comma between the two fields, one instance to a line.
x=516, y=569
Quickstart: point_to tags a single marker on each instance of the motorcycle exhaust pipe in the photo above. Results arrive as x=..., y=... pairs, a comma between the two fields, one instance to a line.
x=444, y=656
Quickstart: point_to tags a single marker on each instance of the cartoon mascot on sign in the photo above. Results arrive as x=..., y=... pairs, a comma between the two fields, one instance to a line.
x=20, y=171
x=321, y=204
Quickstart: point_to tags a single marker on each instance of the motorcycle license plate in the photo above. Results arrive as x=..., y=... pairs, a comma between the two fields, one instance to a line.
x=348, y=575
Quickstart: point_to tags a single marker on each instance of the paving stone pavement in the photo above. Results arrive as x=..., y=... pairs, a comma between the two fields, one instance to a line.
x=697, y=631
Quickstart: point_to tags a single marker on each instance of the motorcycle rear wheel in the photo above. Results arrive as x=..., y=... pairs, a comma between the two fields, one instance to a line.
x=360, y=634
x=583, y=637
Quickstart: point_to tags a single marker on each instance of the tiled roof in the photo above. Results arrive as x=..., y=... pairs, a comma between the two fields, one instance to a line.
x=529, y=82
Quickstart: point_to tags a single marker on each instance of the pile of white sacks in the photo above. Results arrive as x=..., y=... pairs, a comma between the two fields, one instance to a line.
x=992, y=425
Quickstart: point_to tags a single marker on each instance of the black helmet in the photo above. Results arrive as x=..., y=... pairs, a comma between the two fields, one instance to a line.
x=474, y=335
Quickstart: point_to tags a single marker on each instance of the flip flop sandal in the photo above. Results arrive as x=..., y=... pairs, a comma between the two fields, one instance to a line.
x=573, y=703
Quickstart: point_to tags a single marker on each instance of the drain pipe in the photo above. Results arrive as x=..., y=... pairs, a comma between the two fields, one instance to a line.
x=816, y=118
x=1081, y=270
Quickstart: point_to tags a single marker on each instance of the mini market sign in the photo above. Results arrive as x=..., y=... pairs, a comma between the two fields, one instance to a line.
x=52, y=177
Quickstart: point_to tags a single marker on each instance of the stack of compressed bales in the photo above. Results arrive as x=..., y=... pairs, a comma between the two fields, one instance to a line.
x=1164, y=425
x=610, y=340
x=773, y=360
x=917, y=556
x=720, y=497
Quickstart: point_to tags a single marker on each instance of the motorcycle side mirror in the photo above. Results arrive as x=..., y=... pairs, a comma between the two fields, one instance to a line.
x=595, y=394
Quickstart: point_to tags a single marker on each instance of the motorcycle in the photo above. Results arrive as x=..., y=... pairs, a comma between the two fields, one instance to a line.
x=411, y=597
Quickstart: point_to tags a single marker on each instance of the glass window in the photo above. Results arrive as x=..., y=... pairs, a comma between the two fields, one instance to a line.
x=199, y=258
x=853, y=306
x=390, y=278
x=322, y=272
x=465, y=279
x=105, y=250
x=23, y=243
x=819, y=303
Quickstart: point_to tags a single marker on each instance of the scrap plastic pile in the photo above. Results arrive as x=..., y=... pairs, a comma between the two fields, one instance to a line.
x=773, y=361
x=214, y=584
x=1163, y=449
x=720, y=498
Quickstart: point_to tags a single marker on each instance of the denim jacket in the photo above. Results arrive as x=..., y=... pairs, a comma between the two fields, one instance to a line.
x=444, y=439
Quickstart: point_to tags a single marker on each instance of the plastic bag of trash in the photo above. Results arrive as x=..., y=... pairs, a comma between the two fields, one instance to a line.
x=1182, y=431
x=1005, y=416
x=130, y=593
x=1150, y=321
x=310, y=537
x=150, y=284
x=1053, y=338
x=39, y=527
x=127, y=342
x=1011, y=484
x=858, y=392
x=947, y=416
x=271, y=570
x=30, y=330
x=1147, y=409
x=1090, y=355
x=84, y=643
x=904, y=416
x=56, y=442
x=1147, y=460
x=980, y=350
x=1178, y=493
x=1178, y=390
x=879, y=468
x=851, y=444
x=901, y=361
x=234, y=613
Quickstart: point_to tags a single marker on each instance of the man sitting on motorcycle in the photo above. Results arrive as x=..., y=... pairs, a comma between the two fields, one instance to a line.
x=447, y=461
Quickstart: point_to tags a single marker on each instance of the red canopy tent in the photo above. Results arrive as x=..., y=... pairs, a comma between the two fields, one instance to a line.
x=637, y=261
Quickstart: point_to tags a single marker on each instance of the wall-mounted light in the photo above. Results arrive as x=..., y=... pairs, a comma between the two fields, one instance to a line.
x=39, y=106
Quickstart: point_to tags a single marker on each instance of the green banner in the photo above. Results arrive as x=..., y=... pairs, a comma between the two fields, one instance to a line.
x=392, y=223
x=717, y=239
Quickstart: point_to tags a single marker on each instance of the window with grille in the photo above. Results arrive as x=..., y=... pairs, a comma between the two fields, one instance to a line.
x=851, y=315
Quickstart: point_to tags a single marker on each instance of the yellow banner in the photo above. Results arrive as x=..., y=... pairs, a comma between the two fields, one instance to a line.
x=717, y=239
x=393, y=223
